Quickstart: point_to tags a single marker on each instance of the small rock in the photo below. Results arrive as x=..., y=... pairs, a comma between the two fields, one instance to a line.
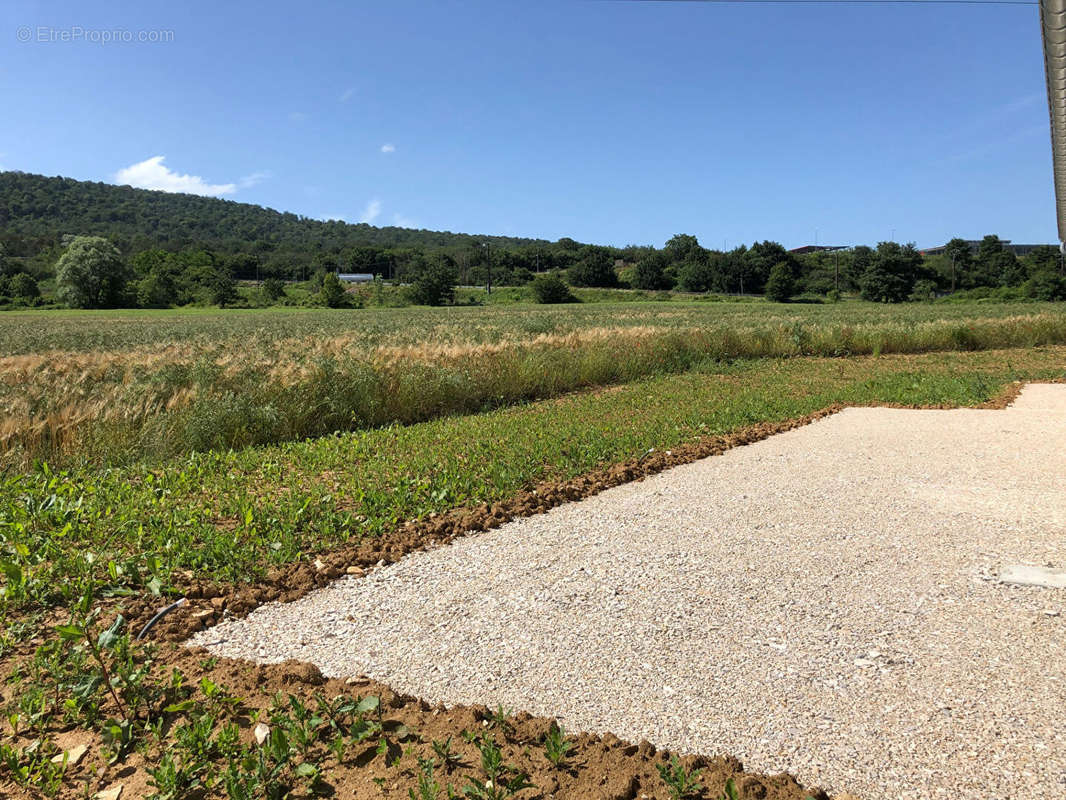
x=865, y=663
x=319, y=565
x=217, y=603
x=109, y=794
x=73, y=755
x=356, y=571
x=1051, y=612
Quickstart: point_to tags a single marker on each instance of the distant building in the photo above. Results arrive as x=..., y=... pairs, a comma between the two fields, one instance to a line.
x=355, y=277
x=975, y=245
x=817, y=248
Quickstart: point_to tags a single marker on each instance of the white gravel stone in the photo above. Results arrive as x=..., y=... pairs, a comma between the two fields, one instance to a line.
x=822, y=602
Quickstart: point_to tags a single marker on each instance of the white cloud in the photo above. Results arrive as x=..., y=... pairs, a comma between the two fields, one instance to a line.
x=333, y=217
x=403, y=222
x=388, y=148
x=371, y=212
x=152, y=173
x=346, y=95
x=248, y=181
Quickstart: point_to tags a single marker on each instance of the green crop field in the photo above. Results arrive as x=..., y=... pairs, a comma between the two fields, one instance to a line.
x=120, y=387
x=268, y=439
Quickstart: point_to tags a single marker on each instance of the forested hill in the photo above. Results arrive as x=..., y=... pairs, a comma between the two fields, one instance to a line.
x=37, y=211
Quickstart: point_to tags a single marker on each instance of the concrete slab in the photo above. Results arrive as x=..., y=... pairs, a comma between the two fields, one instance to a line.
x=1026, y=575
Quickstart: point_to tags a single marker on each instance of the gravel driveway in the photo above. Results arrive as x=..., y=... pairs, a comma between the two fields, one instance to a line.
x=823, y=602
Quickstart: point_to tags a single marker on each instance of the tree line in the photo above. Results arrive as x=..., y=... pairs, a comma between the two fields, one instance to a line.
x=155, y=250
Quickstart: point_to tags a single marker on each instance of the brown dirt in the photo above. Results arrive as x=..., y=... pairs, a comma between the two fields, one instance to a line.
x=599, y=767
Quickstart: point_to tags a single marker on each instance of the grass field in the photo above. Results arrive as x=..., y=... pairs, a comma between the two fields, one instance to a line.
x=119, y=387
x=474, y=406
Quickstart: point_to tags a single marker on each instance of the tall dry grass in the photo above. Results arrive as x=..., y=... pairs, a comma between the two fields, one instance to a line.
x=157, y=402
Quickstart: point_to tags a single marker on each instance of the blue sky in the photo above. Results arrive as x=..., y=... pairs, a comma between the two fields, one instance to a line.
x=611, y=122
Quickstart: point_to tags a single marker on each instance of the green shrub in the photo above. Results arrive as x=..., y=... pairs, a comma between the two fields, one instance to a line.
x=332, y=293
x=1046, y=285
x=434, y=286
x=274, y=289
x=780, y=285
x=551, y=289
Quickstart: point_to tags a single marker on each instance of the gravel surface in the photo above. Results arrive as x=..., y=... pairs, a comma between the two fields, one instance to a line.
x=823, y=602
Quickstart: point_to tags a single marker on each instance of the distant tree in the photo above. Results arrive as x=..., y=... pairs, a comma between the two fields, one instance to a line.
x=223, y=290
x=960, y=257
x=90, y=274
x=682, y=248
x=156, y=290
x=996, y=265
x=23, y=287
x=332, y=293
x=695, y=276
x=862, y=257
x=892, y=273
x=1046, y=285
x=369, y=260
x=924, y=291
x=595, y=268
x=274, y=289
x=434, y=285
x=1044, y=258
x=759, y=261
x=650, y=272
x=780, y=286
x=551, y=289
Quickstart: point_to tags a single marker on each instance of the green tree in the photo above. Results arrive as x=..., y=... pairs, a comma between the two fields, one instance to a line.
x=780, y=286
x=650, y=272
x=960, y=257
x=223, y=289
x=1046, y=285
x=90, y=274
x=274, y=289
x=332, y=293
x=683, y=247
x=595, y=268
x=760, y=260
x=891, y=274
x=1044, y=258
x=551, y=289
x=434, y=285
x=996, y=265
x=156, y=290
x=23, y=287
x=924, y=291
x=695, y=276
